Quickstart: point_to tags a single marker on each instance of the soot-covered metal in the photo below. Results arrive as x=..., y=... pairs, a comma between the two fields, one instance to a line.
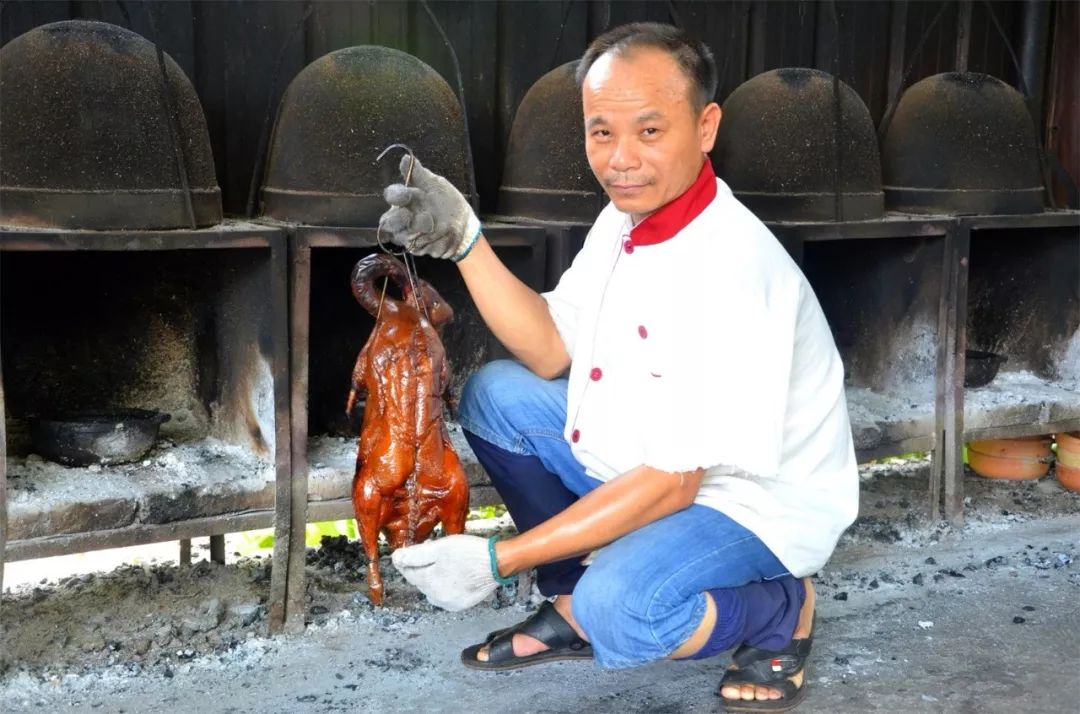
x=338, y=115
x=547, y=176
x=795, y=147
x=97, y=134
x=962, y=143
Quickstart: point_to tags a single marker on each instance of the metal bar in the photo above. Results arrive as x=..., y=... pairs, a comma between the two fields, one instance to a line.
x=247, y=236
x=1033, y=56
x=137, y=535
x=504, y=235
x=333, y=510
x=3, y=486
x=897, y=40
x=1016, y=431
x=285, y=523
x=217, y=549
x=185, y=551
x=755, y=62
x=300, y=345
x=954, y=395
x=1047, y=219
x=942, y=373
x=890, y=227
x=963, y=35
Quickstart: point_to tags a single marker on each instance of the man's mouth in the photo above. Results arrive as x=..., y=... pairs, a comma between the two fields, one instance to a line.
x=626, y=186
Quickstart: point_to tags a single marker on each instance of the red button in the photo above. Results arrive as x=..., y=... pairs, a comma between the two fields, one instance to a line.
x=575, y=436
x=595, y=374
x=642, y=331
x=628, y=246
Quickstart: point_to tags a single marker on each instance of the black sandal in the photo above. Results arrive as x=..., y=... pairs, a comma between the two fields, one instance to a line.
x=768, y=668
x=546, y=625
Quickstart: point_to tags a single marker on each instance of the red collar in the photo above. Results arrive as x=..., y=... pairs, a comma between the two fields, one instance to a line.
x=673, y=216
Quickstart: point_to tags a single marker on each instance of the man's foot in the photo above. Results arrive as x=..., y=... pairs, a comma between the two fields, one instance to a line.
x=524, y=645
x=756, y=692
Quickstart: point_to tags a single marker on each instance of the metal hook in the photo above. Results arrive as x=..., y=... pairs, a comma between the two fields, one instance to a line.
x=410, y=265
x=408, y=177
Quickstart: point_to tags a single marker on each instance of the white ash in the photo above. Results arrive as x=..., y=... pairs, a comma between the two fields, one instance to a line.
x=134, y=604
x=911, y=367
x=878, y=417
x=1037, y=398
x=262, y=401
x=210, y=465
x=1068, y=363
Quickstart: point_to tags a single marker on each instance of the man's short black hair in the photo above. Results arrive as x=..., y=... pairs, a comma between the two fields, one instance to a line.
x=693, y=57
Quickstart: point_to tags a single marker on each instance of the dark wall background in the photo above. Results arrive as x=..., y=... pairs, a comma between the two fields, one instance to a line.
x=241, y=54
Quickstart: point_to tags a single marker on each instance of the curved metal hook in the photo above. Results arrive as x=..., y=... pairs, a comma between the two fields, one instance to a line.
x=408, y=177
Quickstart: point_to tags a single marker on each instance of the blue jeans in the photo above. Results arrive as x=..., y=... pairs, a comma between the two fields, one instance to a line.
x=644, y=594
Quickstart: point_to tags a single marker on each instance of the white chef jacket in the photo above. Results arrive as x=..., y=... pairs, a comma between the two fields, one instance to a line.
x=696, y=342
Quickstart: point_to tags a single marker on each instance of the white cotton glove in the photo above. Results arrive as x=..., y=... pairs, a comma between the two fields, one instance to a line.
x=429, y=216
x=454, y=572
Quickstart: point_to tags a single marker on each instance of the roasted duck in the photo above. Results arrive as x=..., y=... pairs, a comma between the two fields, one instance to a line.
x=408, y=476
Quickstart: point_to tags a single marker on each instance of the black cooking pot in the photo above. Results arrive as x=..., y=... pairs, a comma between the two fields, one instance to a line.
x=980, y=367
x=113, y=436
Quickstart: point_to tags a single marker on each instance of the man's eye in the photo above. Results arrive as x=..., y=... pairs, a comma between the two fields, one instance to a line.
x=651, y=131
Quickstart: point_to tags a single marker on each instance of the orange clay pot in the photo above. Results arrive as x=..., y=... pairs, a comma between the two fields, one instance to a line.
x=1014, y=459
x=1068, y=460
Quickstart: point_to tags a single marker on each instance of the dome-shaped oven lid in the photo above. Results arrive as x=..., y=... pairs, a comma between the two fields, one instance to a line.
x=546, y=176
x=87, y=138
x=784, y=154
x=335, y=118
x=962, y=143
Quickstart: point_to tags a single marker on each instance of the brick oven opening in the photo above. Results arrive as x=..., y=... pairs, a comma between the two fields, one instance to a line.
x=881, y=298
x=1024, y=304
x=182, y=332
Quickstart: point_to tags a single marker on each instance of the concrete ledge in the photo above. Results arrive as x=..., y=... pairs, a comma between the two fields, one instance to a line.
x=1020, y=398
x=174, y=483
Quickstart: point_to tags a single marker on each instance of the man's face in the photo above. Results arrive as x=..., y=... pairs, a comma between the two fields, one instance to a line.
x=643, y=138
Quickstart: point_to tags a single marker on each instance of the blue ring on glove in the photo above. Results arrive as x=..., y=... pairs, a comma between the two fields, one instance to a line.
x=500, y=579
x=468, y=248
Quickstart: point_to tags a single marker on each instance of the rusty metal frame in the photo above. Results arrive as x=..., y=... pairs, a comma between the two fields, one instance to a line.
x=956, y=433
x=794, y=237
x=231, y=234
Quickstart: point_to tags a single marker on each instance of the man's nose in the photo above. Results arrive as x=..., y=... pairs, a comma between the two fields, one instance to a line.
x=625, y=156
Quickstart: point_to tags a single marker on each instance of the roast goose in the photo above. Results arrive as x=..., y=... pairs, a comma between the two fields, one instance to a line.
x=408, y=476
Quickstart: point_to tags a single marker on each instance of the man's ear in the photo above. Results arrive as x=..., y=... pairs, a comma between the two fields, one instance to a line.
x=708, y=125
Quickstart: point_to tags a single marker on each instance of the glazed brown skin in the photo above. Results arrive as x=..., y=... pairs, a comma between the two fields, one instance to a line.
x=408, y=476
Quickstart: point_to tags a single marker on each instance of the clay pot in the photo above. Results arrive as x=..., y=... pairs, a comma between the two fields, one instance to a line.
x=1014, y=459
x=1068, y=460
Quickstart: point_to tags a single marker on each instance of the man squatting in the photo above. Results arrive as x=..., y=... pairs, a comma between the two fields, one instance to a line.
x=699, y=448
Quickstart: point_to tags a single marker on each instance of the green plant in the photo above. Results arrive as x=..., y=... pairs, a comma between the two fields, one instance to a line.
x=263, y=539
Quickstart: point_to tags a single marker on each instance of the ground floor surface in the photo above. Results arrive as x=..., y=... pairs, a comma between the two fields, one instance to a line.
x=913, y=616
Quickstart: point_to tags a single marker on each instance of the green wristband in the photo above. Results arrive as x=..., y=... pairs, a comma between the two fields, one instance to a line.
x=500, y=579
x=469, y=247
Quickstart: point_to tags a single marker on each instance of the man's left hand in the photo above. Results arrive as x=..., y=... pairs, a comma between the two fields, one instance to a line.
x=453, y=572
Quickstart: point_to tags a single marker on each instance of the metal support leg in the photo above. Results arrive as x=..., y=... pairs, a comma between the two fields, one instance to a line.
x=290, y=490
x=954, y=432
x=217, y=549
x=942, y=373
x=3, y=487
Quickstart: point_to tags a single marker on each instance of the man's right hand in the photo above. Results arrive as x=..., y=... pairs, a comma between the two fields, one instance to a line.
x=430, y=216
